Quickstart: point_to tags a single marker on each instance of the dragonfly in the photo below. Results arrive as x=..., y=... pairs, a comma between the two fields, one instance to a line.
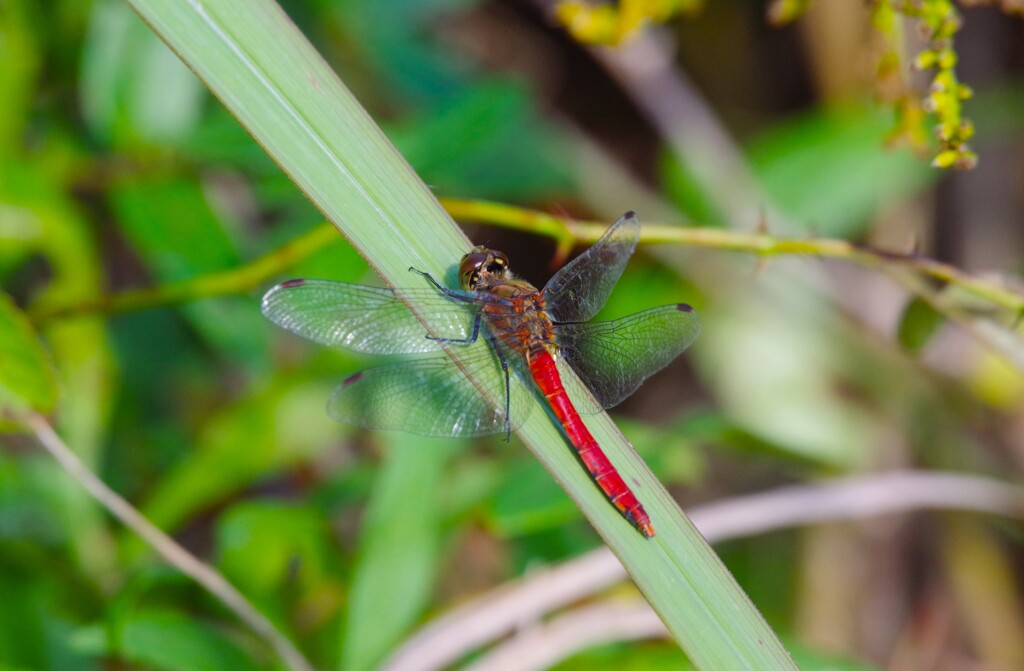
x=533, y=337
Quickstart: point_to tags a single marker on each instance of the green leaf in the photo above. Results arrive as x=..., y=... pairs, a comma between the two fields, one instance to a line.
x=686, y=191
x=918, y=324
x=22, y=621
x=168, y=641
x=20, y=54
x=490, y=120
x=830, y=170
x=171, y=223
x=79, y=347
x=30, y=510
x=529, y=501
x=398, y=552
x=271, y=549
x=252, y=439
x=27, y=381
x=34, y=636
x=173, y=227
x=134, y=90
x=401, y=53
x=671, y=450
x=265, y=72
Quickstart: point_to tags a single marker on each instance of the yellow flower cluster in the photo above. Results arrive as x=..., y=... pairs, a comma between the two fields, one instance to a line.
x=939, y=22
x=611, y=24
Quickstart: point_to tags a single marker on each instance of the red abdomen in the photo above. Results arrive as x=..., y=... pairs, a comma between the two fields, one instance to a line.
x=545, y=375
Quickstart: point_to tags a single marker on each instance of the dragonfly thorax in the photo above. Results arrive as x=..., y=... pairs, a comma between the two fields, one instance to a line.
x=482, y=266
x=515, y=311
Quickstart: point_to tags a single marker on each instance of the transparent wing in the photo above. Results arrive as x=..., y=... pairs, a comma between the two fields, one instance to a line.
x=613, y=358
x=430, y=397
x=577, y=291
x=365, y=319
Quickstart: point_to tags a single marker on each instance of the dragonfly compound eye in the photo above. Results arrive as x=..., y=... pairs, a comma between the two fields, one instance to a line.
x=469, y=270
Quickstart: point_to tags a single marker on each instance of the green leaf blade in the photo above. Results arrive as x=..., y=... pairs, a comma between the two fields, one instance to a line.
x=264, y=71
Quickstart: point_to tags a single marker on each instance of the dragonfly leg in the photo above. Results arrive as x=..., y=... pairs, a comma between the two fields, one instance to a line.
x=464, y=296
x=508, y=389
x=450, y=293
x=462, y=341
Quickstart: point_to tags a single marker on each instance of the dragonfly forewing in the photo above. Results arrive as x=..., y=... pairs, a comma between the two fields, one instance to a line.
x=577, y=291
x=371, y=320
x=613, y=358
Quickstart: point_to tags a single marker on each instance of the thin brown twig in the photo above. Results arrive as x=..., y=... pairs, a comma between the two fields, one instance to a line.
x=547, y=644
x=165, y=546
x=499, y=612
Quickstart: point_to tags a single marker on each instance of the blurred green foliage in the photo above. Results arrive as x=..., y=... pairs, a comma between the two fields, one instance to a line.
x=118, y=170
x=28, y=381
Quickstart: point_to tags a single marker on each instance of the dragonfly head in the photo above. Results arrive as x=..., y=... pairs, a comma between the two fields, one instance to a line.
x=479, y=264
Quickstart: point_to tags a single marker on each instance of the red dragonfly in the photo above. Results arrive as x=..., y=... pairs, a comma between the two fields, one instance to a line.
x=532, y=335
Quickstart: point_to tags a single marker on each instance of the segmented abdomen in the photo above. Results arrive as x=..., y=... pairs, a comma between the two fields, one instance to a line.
x=545, y=375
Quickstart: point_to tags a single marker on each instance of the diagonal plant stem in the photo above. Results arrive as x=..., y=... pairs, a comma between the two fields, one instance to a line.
x=165, y=546
x=235, y=281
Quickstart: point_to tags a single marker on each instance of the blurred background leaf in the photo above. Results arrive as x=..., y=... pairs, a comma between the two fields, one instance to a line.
x=830, y=170
x=28, y=382
x=169, y=641
x=393, y=574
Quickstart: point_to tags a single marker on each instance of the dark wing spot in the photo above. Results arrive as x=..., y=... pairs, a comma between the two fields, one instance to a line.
x=289, y=284
x=683, y=307
x=352, y=379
